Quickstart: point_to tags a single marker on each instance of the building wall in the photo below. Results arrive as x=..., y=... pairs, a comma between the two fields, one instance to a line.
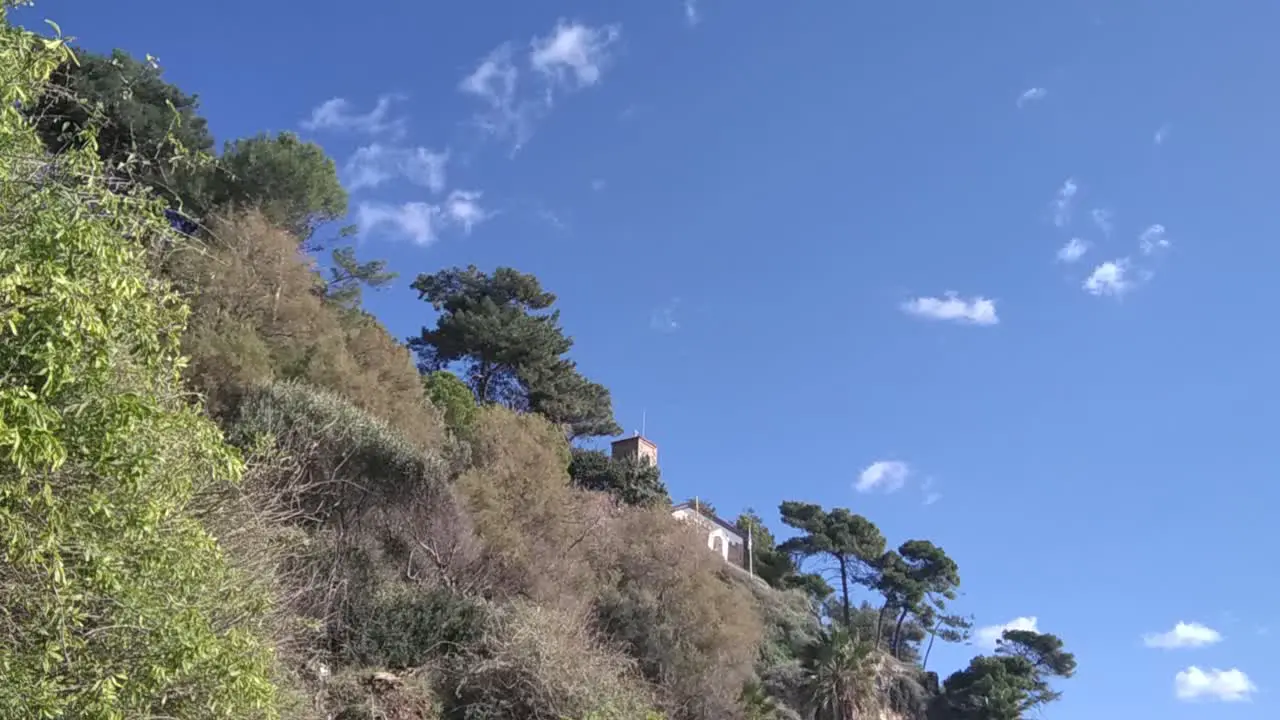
x=730, y=546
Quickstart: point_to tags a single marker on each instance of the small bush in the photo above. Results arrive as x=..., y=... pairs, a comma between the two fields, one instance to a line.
x=538, y=663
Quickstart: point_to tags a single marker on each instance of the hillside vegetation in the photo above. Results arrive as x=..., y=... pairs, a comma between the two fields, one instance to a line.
x=226, y=491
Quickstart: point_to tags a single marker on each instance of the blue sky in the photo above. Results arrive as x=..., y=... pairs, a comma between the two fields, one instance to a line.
x=754, y=222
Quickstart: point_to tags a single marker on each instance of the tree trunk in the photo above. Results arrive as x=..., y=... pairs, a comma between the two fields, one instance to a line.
x=933, y=635
x=880, y=623
x=844, y=588
x=897, y=629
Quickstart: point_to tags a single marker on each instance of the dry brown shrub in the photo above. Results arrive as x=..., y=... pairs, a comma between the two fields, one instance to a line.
x=258, y=314
x=536, y=529
x=695, y=633
x=542, y=663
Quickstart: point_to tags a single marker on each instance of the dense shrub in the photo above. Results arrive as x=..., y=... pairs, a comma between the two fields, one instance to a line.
x=116, y=602
x=695, y=633
x=259, y=314
x=536, y=529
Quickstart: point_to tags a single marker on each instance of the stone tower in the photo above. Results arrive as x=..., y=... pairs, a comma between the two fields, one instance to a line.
x=636, y=446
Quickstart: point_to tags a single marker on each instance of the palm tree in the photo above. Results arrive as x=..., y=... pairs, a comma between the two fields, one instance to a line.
x=840, y=674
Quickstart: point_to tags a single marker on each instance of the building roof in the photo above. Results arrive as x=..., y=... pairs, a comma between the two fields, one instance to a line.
x=713, y=518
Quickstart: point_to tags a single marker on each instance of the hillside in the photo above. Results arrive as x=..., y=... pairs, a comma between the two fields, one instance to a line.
x=227, y=491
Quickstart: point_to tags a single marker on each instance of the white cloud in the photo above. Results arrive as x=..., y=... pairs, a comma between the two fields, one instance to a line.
x=664, y=319
x=1032, y=95
x=419, y=221
x=494, y=82
x=423, y=222
x=1109, y=278
x=372, y=165
x=691, y=15
x=976, y=311
x=886, y=475
x=986, y=637
x=931, y=495
x=1183, y=635
x=1062, y=203
x=1223, y=685
x=336, y=114
x=1152, y=239
x=462, y=207
x=574, y=54
x=1073, y=250
x=1102, y=218
x=1162, y=134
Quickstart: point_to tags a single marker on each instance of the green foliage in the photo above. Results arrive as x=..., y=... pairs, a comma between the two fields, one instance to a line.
x=406, y=627
x=349, y=276
x=1008, y=685
x=292, y=182
x=502, y=330
x=851, y=542
x=340, y=456
x=141, y=123
x=452, y=396
x=775, y=566
x=117, y=602
x=631, y=480
x=840, y=673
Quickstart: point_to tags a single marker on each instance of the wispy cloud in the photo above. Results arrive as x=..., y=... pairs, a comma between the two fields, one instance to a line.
x=422, y=222
x=1031, y=95
x=1154, y=238
x=462, y=208
x=1162, y=134
x=986, y=637
x=1062, y=202
x=664, y=319
x=375, y=164
x=1222, y=685
x=1073, y=250
x=1110, y=278
x=336, y=114
x=883, y=475
x=974, y=311
x=931, y=495
x=691, y=15
x=598, y=184
x=571, y=57
x=494, y=82
x=1102, y=218
x=1183, y=635
x=418, y=221
x=573, y=54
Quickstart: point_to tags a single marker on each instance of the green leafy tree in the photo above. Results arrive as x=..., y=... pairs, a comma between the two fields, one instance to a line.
x=630, y=480
x=929, y=577
x=348, y=277
x=115, y=600
x=294, y=183
x=773, y=565
x=939, y=624
x=142, y=124
x=501, y=331
x=849, y=545
x=452, y=396
x=1008, y=685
